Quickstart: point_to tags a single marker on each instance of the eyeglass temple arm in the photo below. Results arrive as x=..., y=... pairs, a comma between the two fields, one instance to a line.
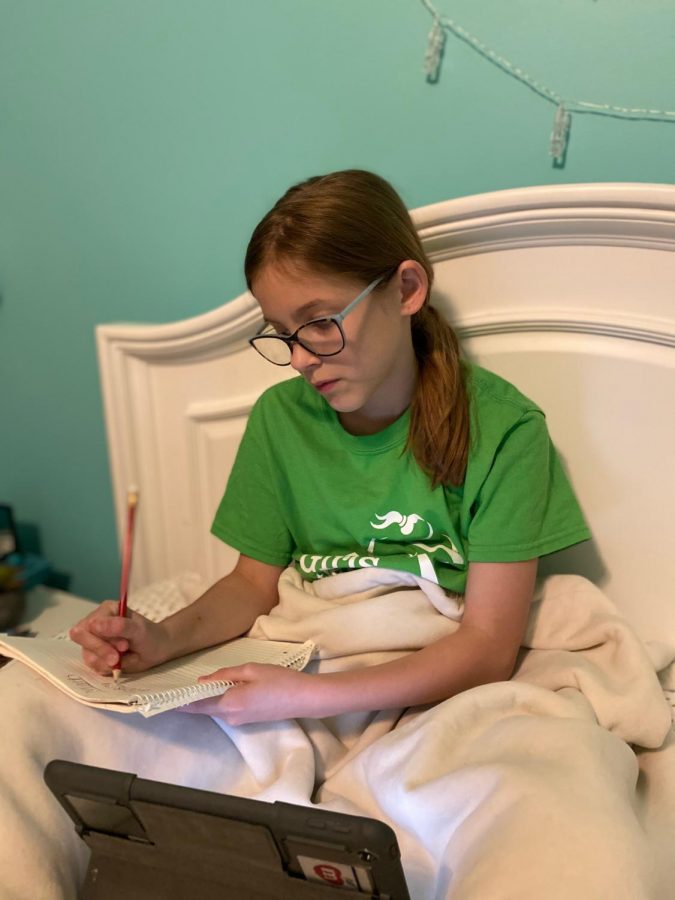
x=364, y=293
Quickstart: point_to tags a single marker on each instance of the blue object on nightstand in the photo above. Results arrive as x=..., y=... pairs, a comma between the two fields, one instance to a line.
x=33, y=569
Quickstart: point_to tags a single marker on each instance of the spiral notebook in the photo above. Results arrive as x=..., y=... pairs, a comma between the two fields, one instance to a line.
x=164, y=687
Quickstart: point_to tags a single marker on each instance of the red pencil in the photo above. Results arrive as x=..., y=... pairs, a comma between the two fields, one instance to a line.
x=132, y=502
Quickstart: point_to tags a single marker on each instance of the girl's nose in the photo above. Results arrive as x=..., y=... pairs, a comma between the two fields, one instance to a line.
x=302, y=359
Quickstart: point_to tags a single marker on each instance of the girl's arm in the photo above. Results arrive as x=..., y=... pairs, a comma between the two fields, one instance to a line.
x=482, y=650
x=226, y=610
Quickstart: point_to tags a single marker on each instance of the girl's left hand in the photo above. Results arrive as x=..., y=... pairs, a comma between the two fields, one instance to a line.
x=262, y=693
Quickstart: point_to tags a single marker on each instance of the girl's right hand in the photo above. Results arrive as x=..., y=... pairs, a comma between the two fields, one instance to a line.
x=106, y=639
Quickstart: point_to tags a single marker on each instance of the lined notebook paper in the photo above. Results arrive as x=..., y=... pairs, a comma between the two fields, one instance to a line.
x=159, y=689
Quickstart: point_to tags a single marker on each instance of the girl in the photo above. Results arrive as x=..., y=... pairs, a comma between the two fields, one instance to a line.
x=388, y=452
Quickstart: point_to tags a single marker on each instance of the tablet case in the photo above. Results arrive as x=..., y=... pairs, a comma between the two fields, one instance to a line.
x=152, y=840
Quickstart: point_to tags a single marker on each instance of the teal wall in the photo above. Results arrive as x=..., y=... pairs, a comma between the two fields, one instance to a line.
x=141, y=140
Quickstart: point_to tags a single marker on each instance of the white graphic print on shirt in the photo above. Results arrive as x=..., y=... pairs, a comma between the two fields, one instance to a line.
x=394, y=526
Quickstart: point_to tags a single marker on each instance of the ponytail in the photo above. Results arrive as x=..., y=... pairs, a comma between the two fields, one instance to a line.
x=439, y=416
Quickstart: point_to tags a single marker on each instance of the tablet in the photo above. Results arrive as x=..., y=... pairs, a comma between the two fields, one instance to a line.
x=152, y=840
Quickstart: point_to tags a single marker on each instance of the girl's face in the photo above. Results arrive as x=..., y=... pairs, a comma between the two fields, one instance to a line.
x=370, y=382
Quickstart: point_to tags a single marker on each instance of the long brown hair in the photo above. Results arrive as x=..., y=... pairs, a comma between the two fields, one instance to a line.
x=355, y=224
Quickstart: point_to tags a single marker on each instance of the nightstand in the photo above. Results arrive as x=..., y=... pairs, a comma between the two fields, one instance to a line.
x=49, y=611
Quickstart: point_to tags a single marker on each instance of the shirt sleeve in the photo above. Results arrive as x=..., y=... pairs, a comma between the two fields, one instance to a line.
x=525, y=507
x=250, y=516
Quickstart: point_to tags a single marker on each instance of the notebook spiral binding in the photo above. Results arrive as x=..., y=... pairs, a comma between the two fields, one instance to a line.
x=174, y=697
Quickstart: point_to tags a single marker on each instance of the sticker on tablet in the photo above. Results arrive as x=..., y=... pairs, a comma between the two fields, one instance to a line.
x=331, y=873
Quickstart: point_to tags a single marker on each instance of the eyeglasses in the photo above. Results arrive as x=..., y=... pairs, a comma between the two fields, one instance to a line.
x=321, y=337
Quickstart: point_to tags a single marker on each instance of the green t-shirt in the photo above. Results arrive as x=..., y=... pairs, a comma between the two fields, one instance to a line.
x=304, y=491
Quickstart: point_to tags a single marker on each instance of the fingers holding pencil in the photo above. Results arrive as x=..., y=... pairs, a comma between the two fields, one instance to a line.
x=105, y=637
x=115, y=638
x=101, y=645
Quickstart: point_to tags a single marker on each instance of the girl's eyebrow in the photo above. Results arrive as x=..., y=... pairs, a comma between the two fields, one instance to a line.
x=304, y=313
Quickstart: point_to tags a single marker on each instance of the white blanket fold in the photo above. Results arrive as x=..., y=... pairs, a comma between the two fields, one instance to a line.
x=520, y=789
x=575, y=638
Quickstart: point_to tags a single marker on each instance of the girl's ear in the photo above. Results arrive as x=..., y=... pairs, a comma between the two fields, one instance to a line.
x=414, y=285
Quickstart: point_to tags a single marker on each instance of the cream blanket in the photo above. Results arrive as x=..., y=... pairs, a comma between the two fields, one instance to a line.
x=520, y=789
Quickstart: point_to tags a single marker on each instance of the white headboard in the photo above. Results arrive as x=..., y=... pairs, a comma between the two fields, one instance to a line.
x=568, y=291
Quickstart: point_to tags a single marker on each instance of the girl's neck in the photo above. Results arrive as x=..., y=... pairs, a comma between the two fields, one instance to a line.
x=360, y=423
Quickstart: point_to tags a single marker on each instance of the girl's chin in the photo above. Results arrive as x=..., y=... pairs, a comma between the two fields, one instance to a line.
x=341, y=406
x=337, y=395
x=343, y=402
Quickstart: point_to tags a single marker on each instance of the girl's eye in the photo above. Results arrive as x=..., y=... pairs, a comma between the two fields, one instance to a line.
x=319, y=327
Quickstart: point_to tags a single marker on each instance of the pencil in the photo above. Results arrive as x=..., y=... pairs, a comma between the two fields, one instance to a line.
x=132, y=502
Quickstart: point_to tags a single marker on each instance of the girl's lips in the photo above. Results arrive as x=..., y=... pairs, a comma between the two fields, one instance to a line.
x=324, y=386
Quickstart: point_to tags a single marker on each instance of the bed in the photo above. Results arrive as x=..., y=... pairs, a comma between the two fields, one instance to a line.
x=568, y=292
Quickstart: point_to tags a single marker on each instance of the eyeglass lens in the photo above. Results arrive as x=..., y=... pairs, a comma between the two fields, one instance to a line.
x=322, y=337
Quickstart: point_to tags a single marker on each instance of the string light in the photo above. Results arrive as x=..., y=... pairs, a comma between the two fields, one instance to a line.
x=562, y=120
x=560, y=135
x=434, y=54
